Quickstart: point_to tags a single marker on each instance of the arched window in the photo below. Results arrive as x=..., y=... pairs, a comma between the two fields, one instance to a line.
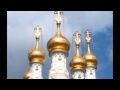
x=79, y=76
x=91, y=72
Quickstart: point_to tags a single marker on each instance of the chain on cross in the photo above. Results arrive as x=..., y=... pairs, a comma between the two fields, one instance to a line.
x=77, y=39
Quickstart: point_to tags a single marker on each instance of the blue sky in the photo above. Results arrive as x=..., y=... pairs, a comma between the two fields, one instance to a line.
x=21, y=39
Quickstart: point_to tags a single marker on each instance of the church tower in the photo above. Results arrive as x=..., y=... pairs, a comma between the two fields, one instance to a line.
x=90, y=59
x=58, y=47
x=78, y=63
x=36, y=58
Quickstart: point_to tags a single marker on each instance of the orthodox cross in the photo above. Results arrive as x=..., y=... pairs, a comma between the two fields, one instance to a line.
x=88, y=33
x=37, y=31
x=77, y=39
x=58, y=19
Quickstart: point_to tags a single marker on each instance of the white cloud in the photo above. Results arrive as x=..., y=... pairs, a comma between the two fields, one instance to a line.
x=96, y=21
x=20, y=26
x=109, y=53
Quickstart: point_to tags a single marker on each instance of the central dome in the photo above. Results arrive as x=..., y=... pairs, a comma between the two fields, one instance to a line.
x=58, y=43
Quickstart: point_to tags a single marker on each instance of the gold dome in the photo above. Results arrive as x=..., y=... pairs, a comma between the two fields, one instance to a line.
x=58, y=43
x=90, y=59
x=27, y=74
x=77, y=63
x=37, y=55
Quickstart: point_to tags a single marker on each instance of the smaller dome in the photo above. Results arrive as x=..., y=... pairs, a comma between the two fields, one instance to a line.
x=90, y=59
x=37, y=55
x=27, y=74
x=77, y=63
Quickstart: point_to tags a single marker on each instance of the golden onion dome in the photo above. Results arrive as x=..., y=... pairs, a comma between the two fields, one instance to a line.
x=27, y=75
x=89, y=57
x=37, y=55
x=77, y=62
x=58, y=43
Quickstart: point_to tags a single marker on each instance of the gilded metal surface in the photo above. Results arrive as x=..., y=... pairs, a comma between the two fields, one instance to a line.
x=58, y=18
x=89, y=57
x=58, y=42
x=87, y=33
x=27, y=75
x=77, y=39
x=77, y=61
x=37, y=55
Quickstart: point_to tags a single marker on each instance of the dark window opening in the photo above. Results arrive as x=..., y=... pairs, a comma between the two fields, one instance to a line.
x=59, y=59
x=90, y=73
x=37, y=68
x=79, y=76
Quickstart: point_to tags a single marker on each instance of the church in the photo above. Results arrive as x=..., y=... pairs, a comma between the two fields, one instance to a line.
x=58, y=46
